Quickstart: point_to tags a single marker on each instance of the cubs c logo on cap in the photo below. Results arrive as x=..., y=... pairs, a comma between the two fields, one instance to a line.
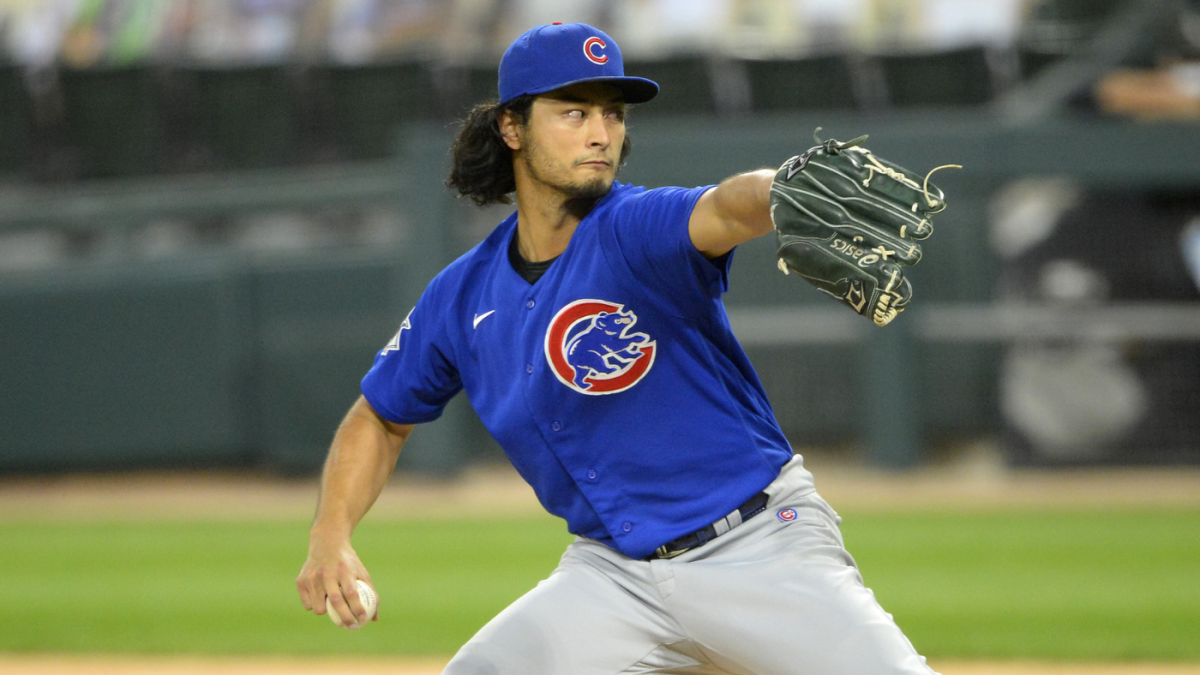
x=589, y=50
x=591, y=349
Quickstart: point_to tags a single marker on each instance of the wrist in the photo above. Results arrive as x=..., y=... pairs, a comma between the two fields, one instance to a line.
x=329, y=531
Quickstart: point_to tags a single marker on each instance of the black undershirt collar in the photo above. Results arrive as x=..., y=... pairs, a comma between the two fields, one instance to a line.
x=529, y=271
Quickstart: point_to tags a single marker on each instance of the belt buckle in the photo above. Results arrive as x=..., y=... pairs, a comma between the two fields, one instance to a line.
x=663, y=554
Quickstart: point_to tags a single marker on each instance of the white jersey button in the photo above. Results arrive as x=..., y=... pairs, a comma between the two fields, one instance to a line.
x=627, y=526
x=556, y=426
x=530, y=304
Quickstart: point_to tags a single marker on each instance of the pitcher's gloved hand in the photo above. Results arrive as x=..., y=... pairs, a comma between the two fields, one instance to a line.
x=848, y=222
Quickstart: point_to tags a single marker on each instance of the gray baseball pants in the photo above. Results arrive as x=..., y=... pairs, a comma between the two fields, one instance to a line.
x=769, y=597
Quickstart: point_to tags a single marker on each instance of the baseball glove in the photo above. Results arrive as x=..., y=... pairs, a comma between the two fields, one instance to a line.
x=848, y=222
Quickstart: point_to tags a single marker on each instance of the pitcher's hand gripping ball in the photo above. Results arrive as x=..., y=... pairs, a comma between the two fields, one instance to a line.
x=369, y=600
x=848, y=222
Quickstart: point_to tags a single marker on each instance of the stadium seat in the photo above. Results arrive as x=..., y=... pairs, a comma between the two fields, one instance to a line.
x=248, y=115
x=462, y=86
x=112, y=119
x=816, y=83
x=1034, y=61
x=686, y=86
x=960, y=77
x=1054, y=29
x=15, y=121
x=368, y=102
x=481, y=84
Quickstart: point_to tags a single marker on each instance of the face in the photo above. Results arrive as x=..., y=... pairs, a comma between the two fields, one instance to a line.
x=572, y=139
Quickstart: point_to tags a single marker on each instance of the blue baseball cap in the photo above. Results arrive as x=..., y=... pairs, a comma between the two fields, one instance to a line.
x=558, y=55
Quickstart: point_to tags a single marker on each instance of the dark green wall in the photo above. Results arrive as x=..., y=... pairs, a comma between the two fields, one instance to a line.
x=237, y=360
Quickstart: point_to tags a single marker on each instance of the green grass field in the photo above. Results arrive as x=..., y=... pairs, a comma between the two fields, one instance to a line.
x=1084, y=585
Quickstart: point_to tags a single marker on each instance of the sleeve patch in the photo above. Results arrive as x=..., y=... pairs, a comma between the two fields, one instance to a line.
x=394, y=345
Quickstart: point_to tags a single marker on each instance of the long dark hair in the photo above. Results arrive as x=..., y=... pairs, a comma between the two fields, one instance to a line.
x=482, y=168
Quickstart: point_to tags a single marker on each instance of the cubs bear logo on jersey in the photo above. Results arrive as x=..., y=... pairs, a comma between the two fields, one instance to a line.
x=591, y=348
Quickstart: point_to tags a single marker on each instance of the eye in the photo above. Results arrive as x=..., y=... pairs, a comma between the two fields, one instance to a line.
x=575, y=114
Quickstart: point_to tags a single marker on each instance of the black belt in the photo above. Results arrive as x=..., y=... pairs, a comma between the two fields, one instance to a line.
x=753, y=506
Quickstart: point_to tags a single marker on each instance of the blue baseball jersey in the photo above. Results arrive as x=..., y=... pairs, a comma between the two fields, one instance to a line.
x=614, y=383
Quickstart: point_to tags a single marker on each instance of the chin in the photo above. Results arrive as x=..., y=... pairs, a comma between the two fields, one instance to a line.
x=592, y=189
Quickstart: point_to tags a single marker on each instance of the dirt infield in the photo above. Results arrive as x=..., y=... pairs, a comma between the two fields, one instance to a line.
x=82, y=665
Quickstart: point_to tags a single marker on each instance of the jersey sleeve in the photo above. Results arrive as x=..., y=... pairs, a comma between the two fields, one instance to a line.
x=414, y=376
x=652, y=236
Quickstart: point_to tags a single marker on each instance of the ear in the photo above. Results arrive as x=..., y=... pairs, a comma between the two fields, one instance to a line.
x=510, y=130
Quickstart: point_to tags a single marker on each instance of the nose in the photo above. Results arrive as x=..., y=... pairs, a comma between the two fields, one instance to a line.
x=598, y=135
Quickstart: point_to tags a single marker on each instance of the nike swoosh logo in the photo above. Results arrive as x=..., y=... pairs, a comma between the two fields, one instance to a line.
x=481, y=317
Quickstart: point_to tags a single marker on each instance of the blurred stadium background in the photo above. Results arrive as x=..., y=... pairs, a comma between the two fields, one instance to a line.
x=214, y=212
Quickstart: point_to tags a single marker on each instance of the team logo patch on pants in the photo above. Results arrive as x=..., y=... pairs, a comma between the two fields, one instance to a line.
x=592, y=349
x=786, y=515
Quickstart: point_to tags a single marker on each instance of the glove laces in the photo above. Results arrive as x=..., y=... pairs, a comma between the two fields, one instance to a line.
x=874, y=165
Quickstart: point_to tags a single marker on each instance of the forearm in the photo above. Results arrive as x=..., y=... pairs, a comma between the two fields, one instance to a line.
x=736, y=211
x=744, y=201
x=363, y=455
x=361, y=458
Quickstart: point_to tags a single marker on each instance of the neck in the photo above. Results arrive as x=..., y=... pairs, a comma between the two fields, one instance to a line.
x=546, y=218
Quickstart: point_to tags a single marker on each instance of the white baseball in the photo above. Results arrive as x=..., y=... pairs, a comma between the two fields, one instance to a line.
x=369, y=600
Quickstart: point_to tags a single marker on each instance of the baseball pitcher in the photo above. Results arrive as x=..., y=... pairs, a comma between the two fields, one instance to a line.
x=589, y=334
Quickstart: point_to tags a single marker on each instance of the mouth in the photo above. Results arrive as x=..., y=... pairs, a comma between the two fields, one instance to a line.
x=596, y=164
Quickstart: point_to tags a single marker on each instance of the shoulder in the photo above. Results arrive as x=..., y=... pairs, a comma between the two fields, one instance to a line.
x=637, y=202
x=466, y=269
x=635, y=208
x=622, y=196
x=625, y=196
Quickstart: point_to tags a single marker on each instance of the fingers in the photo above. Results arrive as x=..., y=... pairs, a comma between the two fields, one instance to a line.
x=358, y=611
x=341, y=592
x=312, y=592
x=302, y=588
x=331, y=587
x=311, y=588
x=344, y=598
